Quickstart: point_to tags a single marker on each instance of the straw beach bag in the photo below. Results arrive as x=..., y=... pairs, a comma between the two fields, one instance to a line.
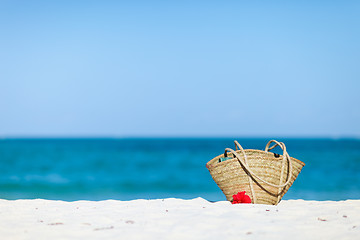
x=265, y=176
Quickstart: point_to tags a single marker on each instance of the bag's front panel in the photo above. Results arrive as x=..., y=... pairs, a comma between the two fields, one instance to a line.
x=268, y=167
x=296, y=169
x=230, y=178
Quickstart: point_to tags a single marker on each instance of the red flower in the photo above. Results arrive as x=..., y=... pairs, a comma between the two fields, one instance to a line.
x=241, y=197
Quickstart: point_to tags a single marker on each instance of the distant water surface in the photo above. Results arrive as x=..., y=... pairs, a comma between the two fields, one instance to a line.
x=124, y=169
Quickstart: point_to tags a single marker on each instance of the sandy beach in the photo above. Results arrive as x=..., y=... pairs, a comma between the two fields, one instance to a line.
x=178, y=219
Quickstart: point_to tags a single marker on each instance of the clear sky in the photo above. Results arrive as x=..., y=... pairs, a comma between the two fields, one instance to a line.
x=179, y=68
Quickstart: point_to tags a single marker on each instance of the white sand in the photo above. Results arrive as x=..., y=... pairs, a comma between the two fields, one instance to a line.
x=178, y=219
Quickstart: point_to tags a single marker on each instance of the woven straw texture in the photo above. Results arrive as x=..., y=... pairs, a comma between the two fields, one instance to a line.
x=265, y=176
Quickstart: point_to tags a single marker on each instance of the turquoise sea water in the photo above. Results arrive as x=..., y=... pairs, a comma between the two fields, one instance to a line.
x=124, y=169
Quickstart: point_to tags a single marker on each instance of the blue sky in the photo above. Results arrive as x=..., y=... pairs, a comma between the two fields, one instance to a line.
x=179, y=68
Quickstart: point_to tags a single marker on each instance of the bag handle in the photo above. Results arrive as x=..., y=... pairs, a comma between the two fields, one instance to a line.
x=285, y=157
x=281, y=144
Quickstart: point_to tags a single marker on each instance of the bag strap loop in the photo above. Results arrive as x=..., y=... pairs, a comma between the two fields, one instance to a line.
x=281, y=144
